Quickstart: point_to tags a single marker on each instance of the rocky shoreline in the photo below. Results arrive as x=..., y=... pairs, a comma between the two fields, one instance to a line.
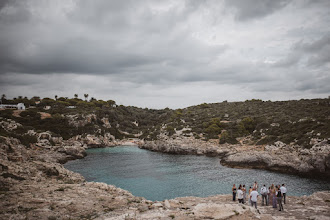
x=313, y=162
x=35, y=185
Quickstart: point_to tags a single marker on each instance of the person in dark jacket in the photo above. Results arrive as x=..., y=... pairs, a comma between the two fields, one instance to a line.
x=279, y=199
x=234, y=189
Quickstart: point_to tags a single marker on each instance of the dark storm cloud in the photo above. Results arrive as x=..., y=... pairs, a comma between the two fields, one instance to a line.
x=161, y=51
x=99, y=37
x=3, y=4
x=251, y=9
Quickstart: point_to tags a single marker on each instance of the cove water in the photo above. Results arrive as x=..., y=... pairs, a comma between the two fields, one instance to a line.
x=159, y=176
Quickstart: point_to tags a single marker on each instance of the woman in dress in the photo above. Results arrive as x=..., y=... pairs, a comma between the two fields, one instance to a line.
x=274, y=197
x=244, y=194
x=272, y=187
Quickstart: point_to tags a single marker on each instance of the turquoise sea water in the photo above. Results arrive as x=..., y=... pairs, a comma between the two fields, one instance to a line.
x=159, y=176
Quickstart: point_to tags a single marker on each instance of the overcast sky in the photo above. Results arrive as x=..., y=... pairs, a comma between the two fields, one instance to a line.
x=159, y=54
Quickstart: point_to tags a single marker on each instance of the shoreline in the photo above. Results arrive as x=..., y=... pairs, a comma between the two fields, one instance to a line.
x=34, y=185
x=282, y=158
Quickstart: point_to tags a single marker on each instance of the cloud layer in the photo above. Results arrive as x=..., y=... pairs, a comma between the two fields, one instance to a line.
x=166, y=53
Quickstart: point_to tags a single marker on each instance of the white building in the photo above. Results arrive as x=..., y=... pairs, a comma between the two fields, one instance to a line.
x=19, y=106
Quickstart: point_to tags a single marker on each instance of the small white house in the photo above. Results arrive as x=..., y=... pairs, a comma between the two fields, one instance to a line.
x=20, y=106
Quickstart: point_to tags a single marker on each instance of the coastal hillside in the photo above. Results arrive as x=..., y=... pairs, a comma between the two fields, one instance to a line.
x=256, y=122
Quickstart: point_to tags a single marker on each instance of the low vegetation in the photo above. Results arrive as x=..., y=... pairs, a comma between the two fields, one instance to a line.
x=265, y=122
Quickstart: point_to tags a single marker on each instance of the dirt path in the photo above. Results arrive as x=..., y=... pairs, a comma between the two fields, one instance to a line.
x=16, y=113
x=44, y=115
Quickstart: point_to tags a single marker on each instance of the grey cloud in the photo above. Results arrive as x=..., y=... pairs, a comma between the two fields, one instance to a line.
x=317, y=53
x=14, y=11
x=107, y=37
x=144, y=50
x=314, y=85
x=3, y=4
x=251, y=9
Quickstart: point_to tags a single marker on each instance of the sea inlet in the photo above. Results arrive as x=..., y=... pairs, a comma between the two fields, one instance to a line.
x=159, y=176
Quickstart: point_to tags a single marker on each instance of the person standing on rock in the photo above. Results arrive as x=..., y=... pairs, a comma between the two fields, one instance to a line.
x=283, y=191
x=274, y=192
x=279, y=199
x=254, y=197
x=244, y=194
x=234, y=192
x=250, y=190
x=268, y=195
x=263, y=193
x=240, y=195
x=271, y=195
x=255, y=185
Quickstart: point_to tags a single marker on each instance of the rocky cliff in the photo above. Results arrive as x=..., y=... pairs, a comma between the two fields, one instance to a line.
x=34, y=185
x=313, y=162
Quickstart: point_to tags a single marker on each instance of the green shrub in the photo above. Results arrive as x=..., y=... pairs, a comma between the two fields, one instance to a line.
x=27, y=139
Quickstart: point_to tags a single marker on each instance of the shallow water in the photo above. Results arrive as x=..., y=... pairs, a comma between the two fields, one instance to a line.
x=159, y=176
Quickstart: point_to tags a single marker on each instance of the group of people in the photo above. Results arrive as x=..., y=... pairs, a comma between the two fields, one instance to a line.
x=273, y=195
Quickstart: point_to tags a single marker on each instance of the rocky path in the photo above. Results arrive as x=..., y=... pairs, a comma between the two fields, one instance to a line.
x=315, y=206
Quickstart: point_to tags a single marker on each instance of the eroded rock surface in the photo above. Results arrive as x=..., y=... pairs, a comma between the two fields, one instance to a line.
x=35, y=185
x=313, y=162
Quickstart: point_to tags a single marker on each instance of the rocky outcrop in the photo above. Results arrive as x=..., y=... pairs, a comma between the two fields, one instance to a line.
x=8, y=124
x=34, y=185
x=280, y=157
x=77, y=120
x=185, y=145
x=313, y=162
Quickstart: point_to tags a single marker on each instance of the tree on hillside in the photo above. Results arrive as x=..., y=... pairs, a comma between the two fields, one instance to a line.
x=111, y=103
x=3, y=98
x=56, y=97
x=76, y=96
x=35, y=98
x=86, y=96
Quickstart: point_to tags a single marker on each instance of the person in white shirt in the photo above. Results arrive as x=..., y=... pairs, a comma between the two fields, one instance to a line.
x=254, y=197
x=264, y=193
x=283, y=191
x=240, y=195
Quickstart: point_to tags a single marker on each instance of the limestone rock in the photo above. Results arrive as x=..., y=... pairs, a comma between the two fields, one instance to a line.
x=314, y=162
x=167, y=204
x=34, y=185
